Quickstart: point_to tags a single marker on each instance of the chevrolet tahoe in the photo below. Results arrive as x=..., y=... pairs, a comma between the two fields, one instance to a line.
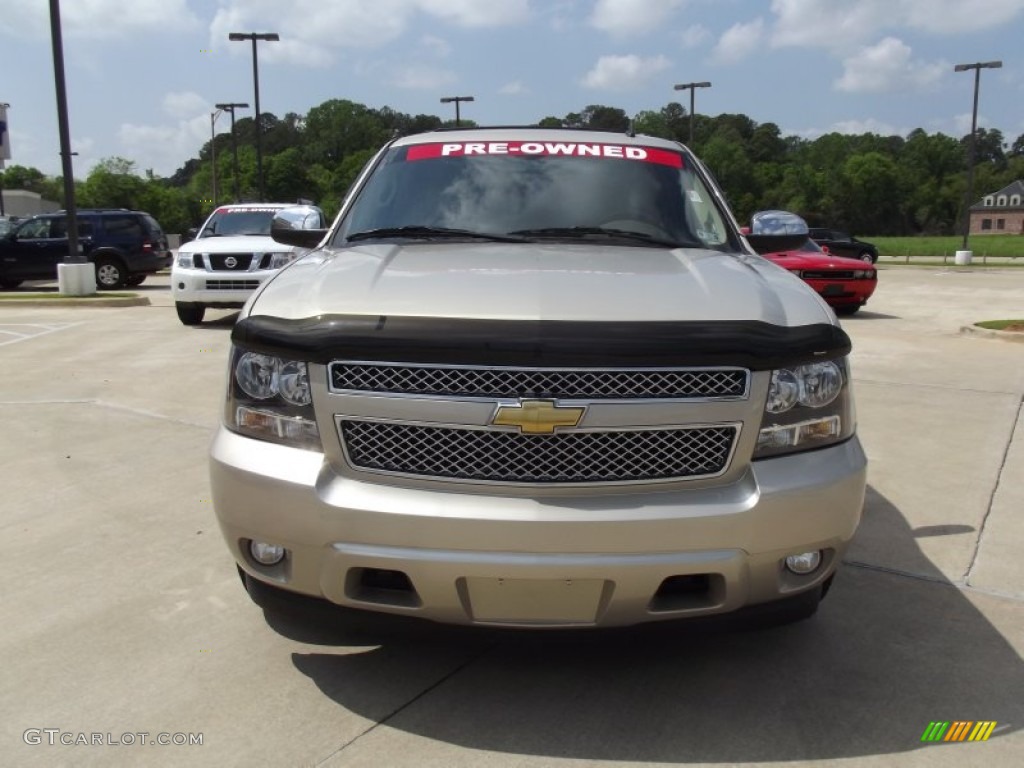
x=538, y=378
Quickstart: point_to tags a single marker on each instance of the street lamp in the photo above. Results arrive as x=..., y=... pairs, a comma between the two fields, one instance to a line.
x=213, y=154
x=691, y=87
x=231, y=107
x=4, y=149
x=974, y=129
x=456, y=100
x=254, y=36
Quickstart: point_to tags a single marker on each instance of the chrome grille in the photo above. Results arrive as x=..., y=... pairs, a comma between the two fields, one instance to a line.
x=590, y=384
x=511, y=457
x=241, y=261
x=231, y=285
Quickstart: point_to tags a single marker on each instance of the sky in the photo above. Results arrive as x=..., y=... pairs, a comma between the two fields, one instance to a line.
x=143, y=75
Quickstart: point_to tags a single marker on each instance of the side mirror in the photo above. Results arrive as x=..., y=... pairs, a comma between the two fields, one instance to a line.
x=774, y=231
x=297, y=226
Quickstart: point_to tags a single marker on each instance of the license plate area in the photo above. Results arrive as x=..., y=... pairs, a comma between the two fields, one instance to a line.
x=834, y=289
x=534, y=601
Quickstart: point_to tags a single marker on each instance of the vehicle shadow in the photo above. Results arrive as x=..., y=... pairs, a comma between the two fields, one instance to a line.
x=886, y=655
x=866, y=314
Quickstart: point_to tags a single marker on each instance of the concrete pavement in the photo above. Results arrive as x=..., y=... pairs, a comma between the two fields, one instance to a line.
x=124, y=613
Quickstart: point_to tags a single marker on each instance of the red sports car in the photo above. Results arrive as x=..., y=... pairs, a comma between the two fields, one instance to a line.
x=846, y=284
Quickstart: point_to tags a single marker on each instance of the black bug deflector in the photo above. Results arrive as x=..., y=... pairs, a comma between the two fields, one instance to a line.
x=557, y=343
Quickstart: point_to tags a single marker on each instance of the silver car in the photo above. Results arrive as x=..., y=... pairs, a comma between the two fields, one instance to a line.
x=538, y=378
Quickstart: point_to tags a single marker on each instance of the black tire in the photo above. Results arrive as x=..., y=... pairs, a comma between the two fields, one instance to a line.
x=190, y=314
x=134, y=280
x=849, y=309
x=9, y=284
x=866, y=256
x=110, y=274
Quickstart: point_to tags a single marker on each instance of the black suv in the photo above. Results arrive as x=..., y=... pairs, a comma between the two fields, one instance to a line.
x=124, y=245
x=842, y=244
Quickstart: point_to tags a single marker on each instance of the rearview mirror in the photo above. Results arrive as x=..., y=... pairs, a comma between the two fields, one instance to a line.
x=300, y=225
x=773, y=231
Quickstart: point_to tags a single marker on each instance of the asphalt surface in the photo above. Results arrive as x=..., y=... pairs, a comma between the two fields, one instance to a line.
x=124, y=615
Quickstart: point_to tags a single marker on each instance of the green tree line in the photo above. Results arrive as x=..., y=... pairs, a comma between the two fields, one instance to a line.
x=867, y=183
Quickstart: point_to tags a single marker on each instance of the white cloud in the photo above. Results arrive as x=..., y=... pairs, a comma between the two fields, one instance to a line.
x=738, y=42
x=474, y=13
x=185, y=103
x=622, y=18
x=98, y=19
x=871, y=125
x=422, y=78
x=888, y=66
x=312, y=30
x=694, y=35
x=435, y=46
x=515, y=88
x=162, y=147
x=847, y=23
x=618, y=73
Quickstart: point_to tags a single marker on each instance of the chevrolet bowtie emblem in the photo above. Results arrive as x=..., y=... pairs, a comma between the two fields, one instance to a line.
x=537, y=417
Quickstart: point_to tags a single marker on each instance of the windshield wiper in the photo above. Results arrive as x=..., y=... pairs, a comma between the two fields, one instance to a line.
x=417, y=231
x=622, y=234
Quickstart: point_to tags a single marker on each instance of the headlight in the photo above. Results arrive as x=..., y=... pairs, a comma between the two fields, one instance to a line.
x=278, y=260
x=270, y=399
x=796, y=272
x=808, y=406
x=186, y=260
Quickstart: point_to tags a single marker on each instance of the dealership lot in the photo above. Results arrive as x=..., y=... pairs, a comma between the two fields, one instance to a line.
x=125, y=615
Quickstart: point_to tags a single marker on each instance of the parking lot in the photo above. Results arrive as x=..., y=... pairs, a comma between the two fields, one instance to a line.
x=124, y=613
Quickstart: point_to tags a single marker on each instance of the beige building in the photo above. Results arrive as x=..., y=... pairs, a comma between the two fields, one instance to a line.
x=1000, y=213
x=22, y=203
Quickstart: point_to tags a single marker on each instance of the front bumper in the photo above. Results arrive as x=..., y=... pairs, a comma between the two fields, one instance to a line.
x=586, y=560
x=216, y=289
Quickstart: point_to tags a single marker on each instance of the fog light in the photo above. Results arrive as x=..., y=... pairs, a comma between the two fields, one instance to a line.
x=266, y=554
x=804, y=563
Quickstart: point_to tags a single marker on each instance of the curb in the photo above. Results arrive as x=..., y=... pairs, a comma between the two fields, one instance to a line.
x=35, y=302
x=989, y=333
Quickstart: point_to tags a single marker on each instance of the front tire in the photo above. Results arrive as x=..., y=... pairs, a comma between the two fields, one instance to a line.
x=190, y=314
x=110, y=274
x=866, y=256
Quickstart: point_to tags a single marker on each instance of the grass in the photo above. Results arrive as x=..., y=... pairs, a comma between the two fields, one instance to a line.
x=1001, y=325
x=17, y=295
x=1011, y=246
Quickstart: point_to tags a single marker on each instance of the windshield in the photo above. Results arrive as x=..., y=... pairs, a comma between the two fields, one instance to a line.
x=537, y=190
x=229, y=222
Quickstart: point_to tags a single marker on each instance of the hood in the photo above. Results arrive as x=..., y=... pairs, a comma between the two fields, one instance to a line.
x=816, y=261
x=237, y=244
x=511, y=281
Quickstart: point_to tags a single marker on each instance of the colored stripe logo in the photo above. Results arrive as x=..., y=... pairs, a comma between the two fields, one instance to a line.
x=959, y=730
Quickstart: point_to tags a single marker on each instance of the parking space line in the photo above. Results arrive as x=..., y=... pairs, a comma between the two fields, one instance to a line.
x=47, y=328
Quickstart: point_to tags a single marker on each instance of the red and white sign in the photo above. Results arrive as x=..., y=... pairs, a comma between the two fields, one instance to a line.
x=538, y=148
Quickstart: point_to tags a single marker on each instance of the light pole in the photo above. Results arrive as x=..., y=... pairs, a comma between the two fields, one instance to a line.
x=974, y=130
x=213, y=154
x=231, y=107
x=456, y=100
x=255, y=36
x=691, y=87
x=4, y=149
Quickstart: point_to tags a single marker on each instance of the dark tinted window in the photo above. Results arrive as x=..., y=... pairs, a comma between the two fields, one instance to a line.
x=227, y=222
x=59, y=227
x=653, y=193
x=123, y=227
